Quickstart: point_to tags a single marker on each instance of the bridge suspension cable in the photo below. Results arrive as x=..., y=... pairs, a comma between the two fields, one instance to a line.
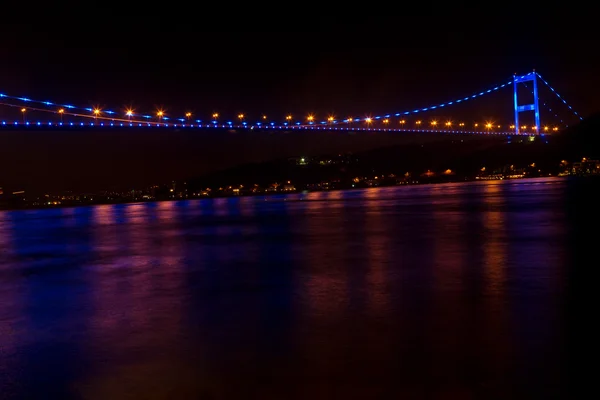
x=329, y=121
x=546, y=105
x=351, y=119
x=67, y=106
x=559, y=96
x=433, y=107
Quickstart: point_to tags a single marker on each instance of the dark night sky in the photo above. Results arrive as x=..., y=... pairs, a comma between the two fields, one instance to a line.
x=339, y=65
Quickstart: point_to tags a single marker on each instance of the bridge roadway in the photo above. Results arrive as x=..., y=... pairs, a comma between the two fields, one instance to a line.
x=112, y=126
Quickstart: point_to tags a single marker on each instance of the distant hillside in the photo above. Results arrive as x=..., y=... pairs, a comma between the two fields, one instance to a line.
x=581, y=140
x=574, y=143
x=54, y=160
x=463, y=155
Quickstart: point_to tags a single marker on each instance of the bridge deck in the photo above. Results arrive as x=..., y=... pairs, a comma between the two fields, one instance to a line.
x=39, y=125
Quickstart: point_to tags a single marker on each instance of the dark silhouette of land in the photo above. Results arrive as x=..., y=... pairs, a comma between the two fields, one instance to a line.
x=464, y=156
x=35, y=159
x=99, y=159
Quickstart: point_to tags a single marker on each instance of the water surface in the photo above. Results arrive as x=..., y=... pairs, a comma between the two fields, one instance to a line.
x=437, y=291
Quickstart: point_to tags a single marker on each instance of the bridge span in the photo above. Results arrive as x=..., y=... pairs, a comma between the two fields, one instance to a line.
x=27, y=113
x=114, y=126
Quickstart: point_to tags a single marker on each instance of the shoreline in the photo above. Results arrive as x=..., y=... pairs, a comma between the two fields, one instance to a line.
x=274, y=194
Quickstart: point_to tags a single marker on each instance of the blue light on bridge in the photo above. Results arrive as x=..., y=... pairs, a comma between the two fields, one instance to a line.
x=558, y=95
x=325, y=124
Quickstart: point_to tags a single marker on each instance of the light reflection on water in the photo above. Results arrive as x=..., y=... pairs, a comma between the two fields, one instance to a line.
x=442, y=290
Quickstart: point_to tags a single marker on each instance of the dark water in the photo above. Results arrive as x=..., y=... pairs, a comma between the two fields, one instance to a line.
x=447, y=291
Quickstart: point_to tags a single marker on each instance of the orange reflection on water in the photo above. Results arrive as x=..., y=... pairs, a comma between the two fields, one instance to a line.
x=137, y=213
x=494, y=222
x=136, y=260
x=105, y=245
x=373, y=193
x=450, y=322
x=138, y=295
x=104, y=214
x=326, y=283
x=494, y=335
x=161, y=276
x=377, y=241
x=316, y=199
x=104, y=223
x=165, y=211
x=449, y=247
x=136, y=234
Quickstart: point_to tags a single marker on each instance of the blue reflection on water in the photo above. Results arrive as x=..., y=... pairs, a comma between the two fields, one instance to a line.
x=454, y=289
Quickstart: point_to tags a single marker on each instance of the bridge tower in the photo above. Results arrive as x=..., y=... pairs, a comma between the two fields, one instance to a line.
x=535, y=107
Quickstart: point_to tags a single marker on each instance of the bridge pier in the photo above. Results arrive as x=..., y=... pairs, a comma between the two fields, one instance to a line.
x=535, y=107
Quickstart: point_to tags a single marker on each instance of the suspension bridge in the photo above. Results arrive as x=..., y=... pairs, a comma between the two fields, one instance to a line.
x=416, y=120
